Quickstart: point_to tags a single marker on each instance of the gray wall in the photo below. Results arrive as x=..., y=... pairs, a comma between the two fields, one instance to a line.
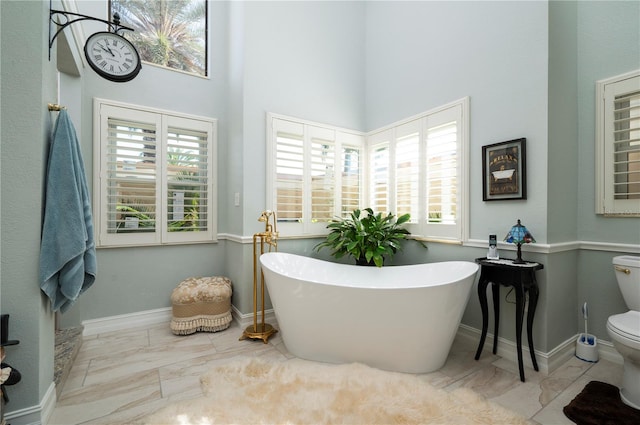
x=608, y=44
x=562, y=164
x=142, y=278
x=27, y=84
x=304, y=59
x=528, y=67
x=424, y=54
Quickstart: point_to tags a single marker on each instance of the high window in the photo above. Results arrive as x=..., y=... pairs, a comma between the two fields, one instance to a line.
x=618, y=145
x=417, y=166
x=154, y=176
x=168, y=33
x=314, y=173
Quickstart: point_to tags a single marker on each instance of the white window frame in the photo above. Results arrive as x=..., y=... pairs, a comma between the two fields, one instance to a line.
x=307, y=130
x=606, y=91
x=420, y=227
x=141, y=31
x=162, y=120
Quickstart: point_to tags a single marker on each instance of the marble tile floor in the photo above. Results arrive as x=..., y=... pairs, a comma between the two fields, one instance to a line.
x=120, y=376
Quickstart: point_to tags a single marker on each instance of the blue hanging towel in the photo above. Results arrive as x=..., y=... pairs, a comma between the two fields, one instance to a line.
x=67, y=250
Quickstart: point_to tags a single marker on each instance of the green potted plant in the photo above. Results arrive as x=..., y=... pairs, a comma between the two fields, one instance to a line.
x=369, y=238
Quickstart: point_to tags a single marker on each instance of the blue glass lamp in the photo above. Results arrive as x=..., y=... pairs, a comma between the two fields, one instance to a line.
x=519, y=235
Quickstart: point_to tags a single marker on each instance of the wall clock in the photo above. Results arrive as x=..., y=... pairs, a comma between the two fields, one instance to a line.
x=112, y=56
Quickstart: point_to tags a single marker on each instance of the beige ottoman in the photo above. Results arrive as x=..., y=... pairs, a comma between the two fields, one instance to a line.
x=201, y=304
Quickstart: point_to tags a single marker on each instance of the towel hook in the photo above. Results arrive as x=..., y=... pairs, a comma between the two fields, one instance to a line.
x=55, y=107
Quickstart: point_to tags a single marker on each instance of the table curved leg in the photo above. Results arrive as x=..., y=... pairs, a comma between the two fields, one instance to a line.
x=533, y=302
x=519, y=317
x=482, y=296
x=495, y=289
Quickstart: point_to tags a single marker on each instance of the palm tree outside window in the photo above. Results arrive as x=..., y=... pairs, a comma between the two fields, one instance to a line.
x=169, y=33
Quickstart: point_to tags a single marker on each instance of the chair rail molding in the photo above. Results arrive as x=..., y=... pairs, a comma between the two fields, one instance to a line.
x=481, y=243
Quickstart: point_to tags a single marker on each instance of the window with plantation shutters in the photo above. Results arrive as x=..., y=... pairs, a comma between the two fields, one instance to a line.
x=154, y=176
x=418, y=167
x=314, y=174
x=618, y=146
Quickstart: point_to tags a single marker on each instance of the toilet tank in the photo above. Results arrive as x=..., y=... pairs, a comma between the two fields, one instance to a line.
x=627, y=270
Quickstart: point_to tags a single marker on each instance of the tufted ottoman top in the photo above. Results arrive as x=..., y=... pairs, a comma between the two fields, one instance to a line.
x=202, y=289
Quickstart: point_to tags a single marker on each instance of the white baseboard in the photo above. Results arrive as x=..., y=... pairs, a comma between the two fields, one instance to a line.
x=35, y=415
x=48, y=403
x=607, y=351
x=126, y=321
x=246, y=319
x=153, y=317
x=547, y=362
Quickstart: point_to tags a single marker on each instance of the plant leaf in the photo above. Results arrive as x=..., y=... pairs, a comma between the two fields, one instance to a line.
x=403, y=218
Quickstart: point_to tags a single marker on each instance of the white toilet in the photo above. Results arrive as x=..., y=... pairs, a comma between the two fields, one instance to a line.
x=624, y=329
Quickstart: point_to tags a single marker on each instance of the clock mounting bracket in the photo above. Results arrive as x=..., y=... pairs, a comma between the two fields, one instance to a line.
x=63, y=19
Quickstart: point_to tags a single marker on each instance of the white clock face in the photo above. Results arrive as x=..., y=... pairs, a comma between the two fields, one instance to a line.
x=112, y=56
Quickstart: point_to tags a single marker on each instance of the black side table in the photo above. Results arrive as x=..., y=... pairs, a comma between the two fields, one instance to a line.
x=522, y=277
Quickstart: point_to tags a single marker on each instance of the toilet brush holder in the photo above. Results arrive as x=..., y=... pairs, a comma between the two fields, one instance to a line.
x=587, y=347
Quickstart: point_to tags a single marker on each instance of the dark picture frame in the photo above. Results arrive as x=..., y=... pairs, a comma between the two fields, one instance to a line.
x=504, y=171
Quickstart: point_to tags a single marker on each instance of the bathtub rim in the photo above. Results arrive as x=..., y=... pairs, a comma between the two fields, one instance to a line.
x=377, y=273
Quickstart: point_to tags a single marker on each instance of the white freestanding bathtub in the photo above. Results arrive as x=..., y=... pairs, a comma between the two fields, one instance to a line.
x=398, y=318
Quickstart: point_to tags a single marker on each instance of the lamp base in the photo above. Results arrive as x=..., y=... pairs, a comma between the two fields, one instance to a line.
x=519, y=259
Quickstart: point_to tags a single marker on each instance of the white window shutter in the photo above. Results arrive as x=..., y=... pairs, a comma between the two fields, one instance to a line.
x=626, y=146
x=618, y=146
x=288, y=172
x=129, y=191
x=351, y=175
x=323, y=164
x=190, y=202
x=379, y=171
x=443, y=173
x=407, y=170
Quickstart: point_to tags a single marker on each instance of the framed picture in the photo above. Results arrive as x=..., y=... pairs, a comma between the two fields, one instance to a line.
x=504, y=175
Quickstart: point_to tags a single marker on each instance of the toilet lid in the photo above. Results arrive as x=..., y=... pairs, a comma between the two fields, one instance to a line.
x=626, y=324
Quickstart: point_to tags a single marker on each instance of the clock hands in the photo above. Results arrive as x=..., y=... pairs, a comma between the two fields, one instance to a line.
x=106, y=49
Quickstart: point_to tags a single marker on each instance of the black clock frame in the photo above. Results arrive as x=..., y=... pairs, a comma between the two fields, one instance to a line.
x=101, y=72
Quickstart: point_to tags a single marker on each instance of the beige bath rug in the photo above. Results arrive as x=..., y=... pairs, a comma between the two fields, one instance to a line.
x=255, y=391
